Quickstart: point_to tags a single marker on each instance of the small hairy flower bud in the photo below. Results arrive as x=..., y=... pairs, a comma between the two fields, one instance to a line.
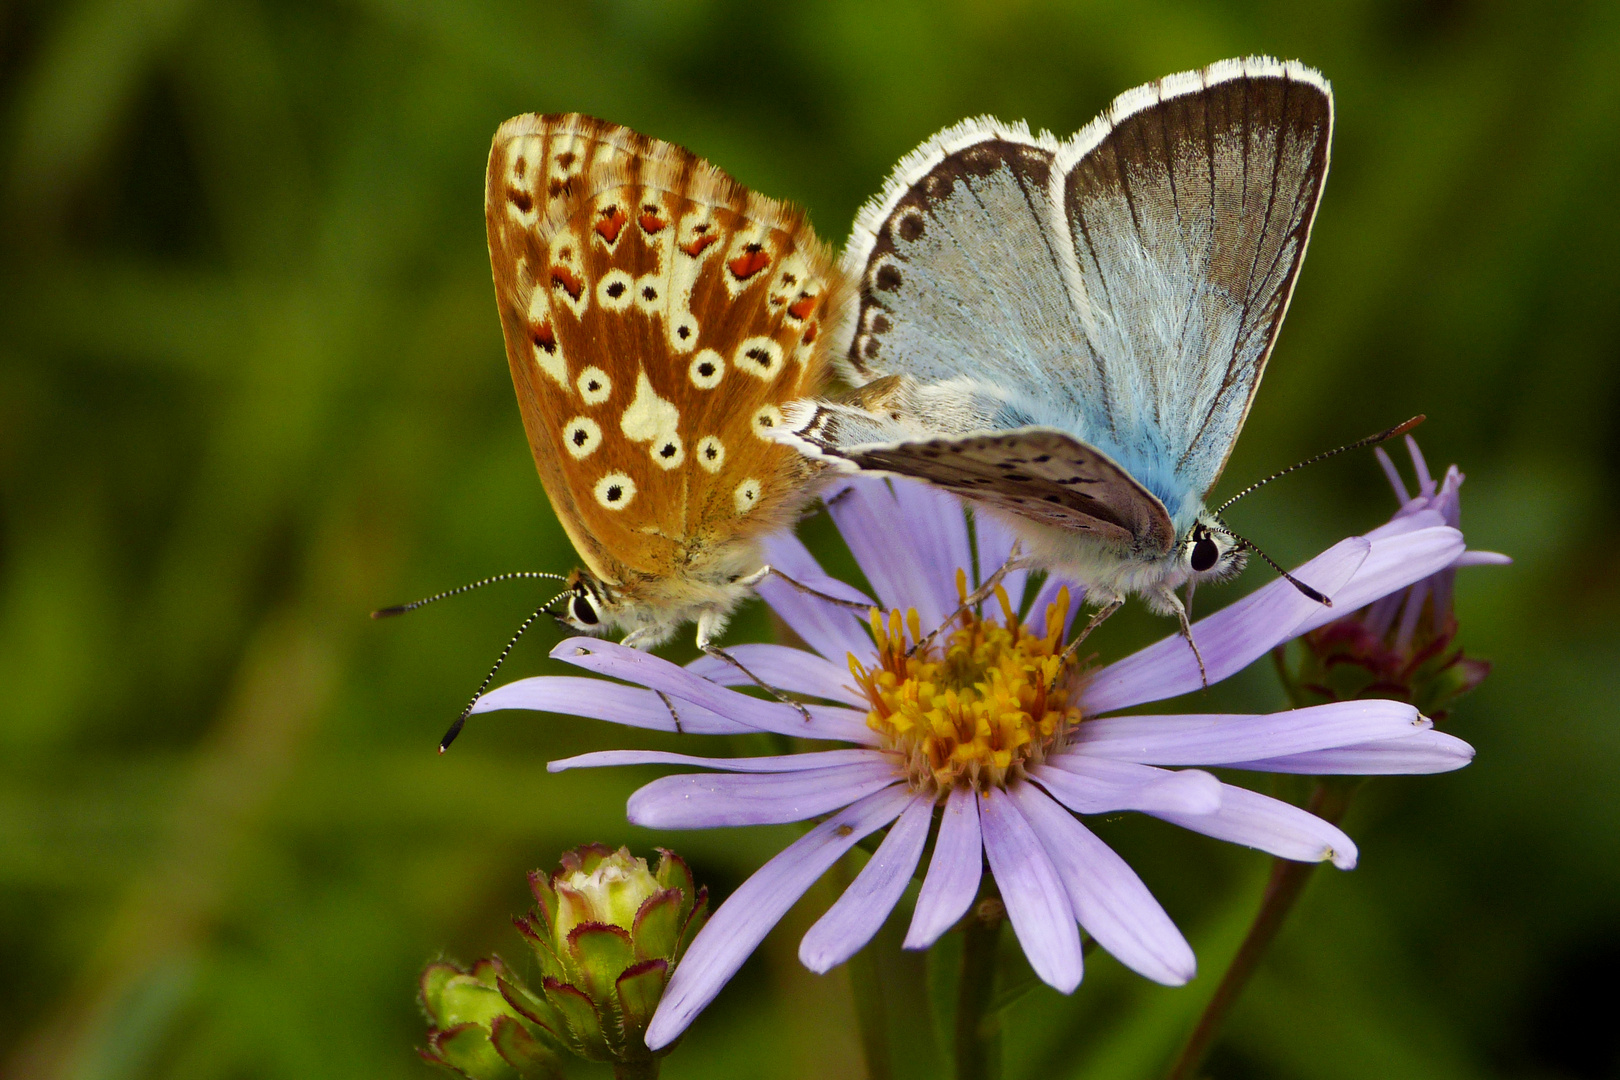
x=475, y=1032
x=607, y=932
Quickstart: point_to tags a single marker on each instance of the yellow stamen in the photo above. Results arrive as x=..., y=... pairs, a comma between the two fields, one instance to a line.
x=977, y=708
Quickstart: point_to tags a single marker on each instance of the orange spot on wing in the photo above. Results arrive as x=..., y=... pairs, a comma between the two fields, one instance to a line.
x=699, y=244
x=565, y=279
x=809, y=334
x=802, y=307
x=650, y=222
x=750, y=262
x=544, y=337
x=611, y=224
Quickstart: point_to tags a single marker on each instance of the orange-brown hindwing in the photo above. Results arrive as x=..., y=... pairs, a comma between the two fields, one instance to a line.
x=657, y=315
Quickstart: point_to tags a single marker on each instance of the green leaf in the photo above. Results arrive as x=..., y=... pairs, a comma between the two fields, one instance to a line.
x=534, y=1008
x=673, y=873
x=545, y=899
x=602, y=953
x=544, y=948
x=432, y=983
x=583, y=1022
x=657, y=930
x=694, y=922
x=531, y=1058
x=639, y=990
x=466, y=1048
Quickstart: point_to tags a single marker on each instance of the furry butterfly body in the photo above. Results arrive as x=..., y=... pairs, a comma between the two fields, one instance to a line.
x=657, y=318
x=1070, y=334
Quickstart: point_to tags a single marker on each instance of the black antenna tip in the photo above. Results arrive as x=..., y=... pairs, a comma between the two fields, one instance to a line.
x=1402, y=429
x=455, y=729
x=388, y=612
x=1310, y=593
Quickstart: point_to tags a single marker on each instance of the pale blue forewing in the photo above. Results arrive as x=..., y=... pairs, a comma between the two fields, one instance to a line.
x=1123, y=288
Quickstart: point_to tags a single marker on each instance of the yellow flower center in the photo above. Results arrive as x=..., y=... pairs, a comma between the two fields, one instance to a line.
x=977, y=705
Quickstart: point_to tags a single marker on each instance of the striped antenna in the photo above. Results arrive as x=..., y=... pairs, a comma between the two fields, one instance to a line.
x=1371, y=440
x=400, y=609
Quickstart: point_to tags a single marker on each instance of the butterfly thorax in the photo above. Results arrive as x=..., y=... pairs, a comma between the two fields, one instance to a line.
x=646, y=609
x=1204, y=553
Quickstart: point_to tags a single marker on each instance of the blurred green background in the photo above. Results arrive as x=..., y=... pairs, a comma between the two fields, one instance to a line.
x=252, y=386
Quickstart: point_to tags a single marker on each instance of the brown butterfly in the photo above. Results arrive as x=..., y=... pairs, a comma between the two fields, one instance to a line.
x=657, y=316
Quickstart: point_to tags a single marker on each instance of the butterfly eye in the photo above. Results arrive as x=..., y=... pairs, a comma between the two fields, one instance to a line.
x=582, y=611
x=1204, y=554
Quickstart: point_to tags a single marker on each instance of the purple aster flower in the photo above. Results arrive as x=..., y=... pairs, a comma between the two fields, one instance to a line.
x=990, y=740
x=1404, y=645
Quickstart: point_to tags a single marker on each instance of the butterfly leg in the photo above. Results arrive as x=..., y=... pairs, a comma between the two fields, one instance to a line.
x=709, y=628
x=673, y=715
x=977, y=596
x=759, y=575
x=1096, y=620
x=1186, y=631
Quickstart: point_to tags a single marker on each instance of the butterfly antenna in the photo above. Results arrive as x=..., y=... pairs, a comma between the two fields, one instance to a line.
x=1249, y=545
x=400, y=609
x=455, y=728
x=1371, y=440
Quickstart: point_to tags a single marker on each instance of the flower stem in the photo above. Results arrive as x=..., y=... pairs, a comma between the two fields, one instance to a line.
x=871, y=1014
x=1329, y=800
x=646, y=1069
x=978, y=1030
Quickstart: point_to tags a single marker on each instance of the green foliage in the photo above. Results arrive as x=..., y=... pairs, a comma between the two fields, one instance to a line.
x=252, y=387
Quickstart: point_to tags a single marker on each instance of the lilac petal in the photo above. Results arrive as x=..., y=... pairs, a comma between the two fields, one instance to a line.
x=859, y=913
x=954, y=871
x=796, y=671
x=1230, y=639
x=742, y=922
x=1393, y=474
x=1421, y=467
x=780, y=763
x=615, y=660
x=1107, y=897
x=938, y=527
x=602, y=700
x=1036, y=901
x=884, y=546
x=830, y=629
x=1425, y=752
x=1276, y=827
x=1210, y=739
x=1093, y=785
x=1483, y=558
x=1410, y=615
x=1048, y=595
x=1395, y=563
x=709, y=801
x=995, y=544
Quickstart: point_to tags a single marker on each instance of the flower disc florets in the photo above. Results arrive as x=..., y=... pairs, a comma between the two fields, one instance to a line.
x=977, y=705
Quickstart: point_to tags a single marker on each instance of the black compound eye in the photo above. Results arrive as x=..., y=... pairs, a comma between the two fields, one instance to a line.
x=1204, y=554
x=583, y=612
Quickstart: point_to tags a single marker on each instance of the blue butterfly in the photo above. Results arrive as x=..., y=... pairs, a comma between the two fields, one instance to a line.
x=1071, y=333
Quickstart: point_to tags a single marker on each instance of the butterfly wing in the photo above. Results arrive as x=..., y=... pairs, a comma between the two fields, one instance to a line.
x=1036, y=473
x=1190, y=203
x=656, y=315
x=1125, y=286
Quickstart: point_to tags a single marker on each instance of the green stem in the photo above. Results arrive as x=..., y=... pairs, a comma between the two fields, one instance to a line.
x=1329, y=800
x=871, y=1012
x=866, y=989
x=978, y=1030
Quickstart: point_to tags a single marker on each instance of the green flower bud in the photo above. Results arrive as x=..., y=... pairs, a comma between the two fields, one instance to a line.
x=607, y=931
x=475, y=1032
